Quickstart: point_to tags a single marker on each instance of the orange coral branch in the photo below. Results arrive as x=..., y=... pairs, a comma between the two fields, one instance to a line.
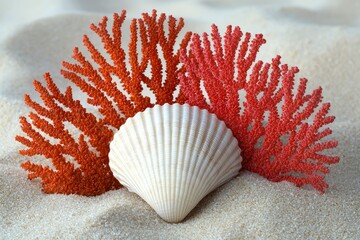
x=50, y=120
x=46, y=128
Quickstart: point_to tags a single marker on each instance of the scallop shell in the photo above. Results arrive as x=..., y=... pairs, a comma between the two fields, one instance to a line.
x=172, y=156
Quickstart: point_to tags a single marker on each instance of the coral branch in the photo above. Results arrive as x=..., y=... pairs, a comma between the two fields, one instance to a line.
x=271, y=122
x=80, y=164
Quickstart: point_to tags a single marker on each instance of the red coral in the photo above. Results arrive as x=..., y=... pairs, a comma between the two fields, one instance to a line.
x=277, y=139
x=93, y=176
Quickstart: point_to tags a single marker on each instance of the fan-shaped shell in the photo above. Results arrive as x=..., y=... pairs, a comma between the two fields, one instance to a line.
x=174, y=155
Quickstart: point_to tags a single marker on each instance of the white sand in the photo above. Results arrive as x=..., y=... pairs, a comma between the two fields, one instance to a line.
x=321, y=37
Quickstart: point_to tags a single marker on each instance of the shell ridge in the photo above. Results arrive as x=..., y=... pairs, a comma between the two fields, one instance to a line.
x=199, y=166
x=186, y=162
x=144, y=163
x=145, y=137
x=117, y=152
x=151, y=138
x=167, y=153
x=218, y=168
x=175, y=134
x=233, y=153
x=172, y=134
x=115, y=164
x=190, y=196
x=193, y=165
x=231, y=166
x=182, y=155
x=207, y=164
x=133, y=165
x=159, y=155
x=180, y=185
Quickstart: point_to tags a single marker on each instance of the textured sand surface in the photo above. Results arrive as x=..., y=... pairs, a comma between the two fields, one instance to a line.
x=321, y=37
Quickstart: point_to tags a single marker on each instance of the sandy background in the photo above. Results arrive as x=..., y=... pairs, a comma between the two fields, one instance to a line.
x=321, y=37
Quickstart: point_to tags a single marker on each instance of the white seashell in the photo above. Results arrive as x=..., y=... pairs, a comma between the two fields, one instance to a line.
x=172, y=156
